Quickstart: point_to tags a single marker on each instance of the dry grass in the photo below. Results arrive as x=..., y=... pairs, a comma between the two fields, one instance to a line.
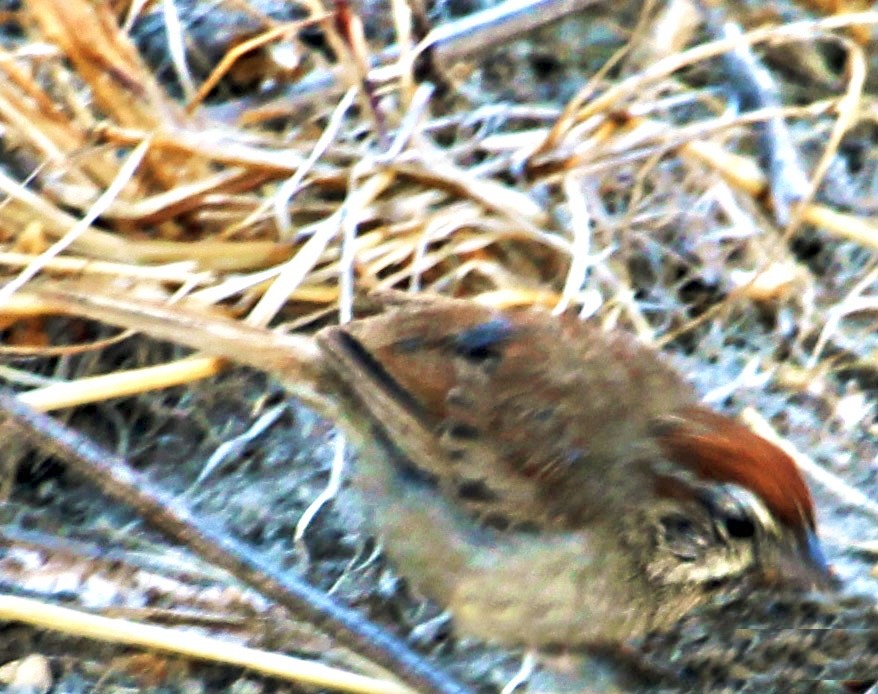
x=635, y=196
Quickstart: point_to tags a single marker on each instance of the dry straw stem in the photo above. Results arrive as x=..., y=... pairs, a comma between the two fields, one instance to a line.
x=614, y=98
x=501, y=213
x=288, y=357
x=738, y=170
x=283, y=31
x=126, y=171
x=477, y=33
x=122, y=383
x=189, y=644
x=183, y=272
x=292, y=357
x=861, y=34
x=121, y=84
x=249, y=216
x=114, y=477
x=857, y=300
x=170, y=184
x=817, y=473
x=426, y=220
x=23, y=206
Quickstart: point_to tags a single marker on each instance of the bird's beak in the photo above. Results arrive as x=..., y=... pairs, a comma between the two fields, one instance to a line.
x=803, y=565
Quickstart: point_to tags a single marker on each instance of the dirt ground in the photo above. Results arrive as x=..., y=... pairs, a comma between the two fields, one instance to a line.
x=804, y=358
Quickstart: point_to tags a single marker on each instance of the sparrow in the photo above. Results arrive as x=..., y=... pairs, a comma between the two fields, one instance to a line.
x=547, y=482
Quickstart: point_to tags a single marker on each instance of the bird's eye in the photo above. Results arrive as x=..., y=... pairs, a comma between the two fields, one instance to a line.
x=740, y=527
x=737, y=513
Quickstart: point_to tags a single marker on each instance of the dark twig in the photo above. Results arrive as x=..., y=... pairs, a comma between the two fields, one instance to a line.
x=485, y=30
x=755, y=88
x=476, y=33
x=112, y=475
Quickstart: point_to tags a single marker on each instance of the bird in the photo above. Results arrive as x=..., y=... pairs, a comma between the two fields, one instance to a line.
x=547, y=482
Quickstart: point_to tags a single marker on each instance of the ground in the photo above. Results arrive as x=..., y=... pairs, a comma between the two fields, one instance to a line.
x=668, y=250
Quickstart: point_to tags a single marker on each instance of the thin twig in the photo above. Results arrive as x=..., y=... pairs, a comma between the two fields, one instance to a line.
x=756, y=89
x=112, y=475
x=476, y=33
x=194, y=645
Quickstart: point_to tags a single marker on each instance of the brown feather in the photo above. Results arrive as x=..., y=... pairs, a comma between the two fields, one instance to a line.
x=718, y=448
x=525, y=417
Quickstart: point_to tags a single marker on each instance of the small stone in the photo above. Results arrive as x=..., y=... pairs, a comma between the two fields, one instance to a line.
x=31, y=674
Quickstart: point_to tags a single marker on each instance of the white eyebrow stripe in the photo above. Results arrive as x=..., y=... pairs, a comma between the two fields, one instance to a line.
x=756, y=506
